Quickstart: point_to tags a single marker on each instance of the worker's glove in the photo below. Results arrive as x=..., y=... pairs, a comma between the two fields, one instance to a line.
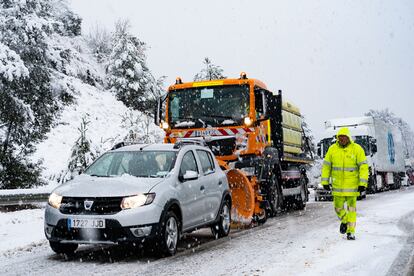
x=327, y=187
x=361, y=189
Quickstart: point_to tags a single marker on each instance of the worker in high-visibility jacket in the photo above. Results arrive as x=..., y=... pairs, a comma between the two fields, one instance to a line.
x=345, y=166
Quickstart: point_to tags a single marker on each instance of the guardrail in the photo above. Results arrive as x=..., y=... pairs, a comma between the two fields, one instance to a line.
x=19, y=199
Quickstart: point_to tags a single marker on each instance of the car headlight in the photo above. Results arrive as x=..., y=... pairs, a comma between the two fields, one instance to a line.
x=55, y=200
x=137, y=201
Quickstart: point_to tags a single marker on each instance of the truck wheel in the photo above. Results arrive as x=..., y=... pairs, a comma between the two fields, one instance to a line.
x=63, y=248
x=275, y=196
x=169, y=235
x=222, y=228
x=373, y=182
x=302, y=198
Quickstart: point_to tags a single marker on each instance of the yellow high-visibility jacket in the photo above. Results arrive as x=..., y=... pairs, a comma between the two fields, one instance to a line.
x=347, y=166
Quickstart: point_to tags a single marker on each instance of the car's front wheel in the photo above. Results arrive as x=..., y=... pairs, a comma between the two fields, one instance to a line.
x=169, y=234
x=63, y=248
x=222, y=227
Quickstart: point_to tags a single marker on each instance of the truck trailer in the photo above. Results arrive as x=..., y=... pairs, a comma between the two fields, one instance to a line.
x=383, y=146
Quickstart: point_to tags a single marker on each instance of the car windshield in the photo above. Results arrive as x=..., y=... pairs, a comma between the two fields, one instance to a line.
x=208, y=106
x=135, y=163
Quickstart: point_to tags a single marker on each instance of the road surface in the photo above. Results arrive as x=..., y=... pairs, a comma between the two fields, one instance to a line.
x=295, y=243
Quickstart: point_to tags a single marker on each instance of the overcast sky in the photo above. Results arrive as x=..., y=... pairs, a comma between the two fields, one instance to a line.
x=331, y=58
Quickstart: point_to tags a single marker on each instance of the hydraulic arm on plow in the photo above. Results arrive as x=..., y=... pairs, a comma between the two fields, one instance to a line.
x=256, y=137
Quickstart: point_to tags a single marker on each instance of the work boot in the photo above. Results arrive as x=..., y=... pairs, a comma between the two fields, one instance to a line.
x=342, y=228
x=350, y=236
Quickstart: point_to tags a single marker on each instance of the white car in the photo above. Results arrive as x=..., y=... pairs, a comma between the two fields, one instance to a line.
x=140, y=192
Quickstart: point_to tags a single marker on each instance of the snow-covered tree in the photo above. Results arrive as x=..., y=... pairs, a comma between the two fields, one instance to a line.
x=39, y=59
x=128, y=74
x=99, y=40
x=210, y=72
x=308, y=142
x=138, y=128
x=16, y=117
x=81, y=156
x=407, y=134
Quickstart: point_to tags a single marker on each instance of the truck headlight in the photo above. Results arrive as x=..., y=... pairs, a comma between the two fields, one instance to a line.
x=164, y=125
x=247, y=121
x=55, y=200
x=137, y=201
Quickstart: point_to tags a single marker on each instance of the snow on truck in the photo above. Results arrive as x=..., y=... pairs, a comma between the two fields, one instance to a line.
x=255, y=136
x=382, y=144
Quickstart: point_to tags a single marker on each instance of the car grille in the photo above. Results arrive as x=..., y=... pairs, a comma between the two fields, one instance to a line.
x=112, y=232
x=100, y=205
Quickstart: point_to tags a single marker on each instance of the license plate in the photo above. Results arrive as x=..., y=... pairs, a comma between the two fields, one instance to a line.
x=86, y=223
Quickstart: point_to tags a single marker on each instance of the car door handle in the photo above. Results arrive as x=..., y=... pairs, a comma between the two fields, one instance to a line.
x=202, y=188
x=220, y=183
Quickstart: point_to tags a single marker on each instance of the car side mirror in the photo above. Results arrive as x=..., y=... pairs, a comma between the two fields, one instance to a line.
x=190, y=175
x=374, y=148
x=319, y=150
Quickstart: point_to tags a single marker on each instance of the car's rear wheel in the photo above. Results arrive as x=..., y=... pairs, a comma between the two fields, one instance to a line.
x=222, y=227
x=63, y=248
x=169, y=235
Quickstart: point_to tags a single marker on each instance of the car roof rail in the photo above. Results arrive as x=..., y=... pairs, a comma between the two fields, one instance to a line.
x=128, y=143
x=188, y=141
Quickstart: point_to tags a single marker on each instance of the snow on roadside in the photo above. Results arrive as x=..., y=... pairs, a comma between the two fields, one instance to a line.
x=21, y=229
x=39, y=190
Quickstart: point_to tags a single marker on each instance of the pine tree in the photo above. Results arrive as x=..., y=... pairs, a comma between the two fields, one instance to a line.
x=99, y=41
x=210, y=72
x=138, y=128
x=128, y=74
x=81, y=156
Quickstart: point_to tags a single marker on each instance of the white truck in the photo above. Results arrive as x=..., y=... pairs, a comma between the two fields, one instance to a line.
x=383, y=147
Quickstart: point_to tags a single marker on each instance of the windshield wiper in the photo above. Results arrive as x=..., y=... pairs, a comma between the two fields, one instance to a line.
x=97, y=175
x=183, y=118
x=219, y=116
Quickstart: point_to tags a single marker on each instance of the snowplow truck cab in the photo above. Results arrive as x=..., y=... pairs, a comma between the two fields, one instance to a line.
x=256, y=137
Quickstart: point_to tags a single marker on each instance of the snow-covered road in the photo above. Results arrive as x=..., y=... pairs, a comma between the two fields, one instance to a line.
x=301, y=242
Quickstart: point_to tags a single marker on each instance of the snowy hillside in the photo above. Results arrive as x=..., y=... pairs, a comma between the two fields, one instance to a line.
x=66, y=96
x=106, y=128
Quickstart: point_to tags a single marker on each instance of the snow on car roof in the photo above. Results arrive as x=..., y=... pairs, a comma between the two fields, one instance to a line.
x=148, y=147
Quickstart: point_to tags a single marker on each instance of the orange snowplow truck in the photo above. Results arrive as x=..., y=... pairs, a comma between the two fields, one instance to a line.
x=256, y=137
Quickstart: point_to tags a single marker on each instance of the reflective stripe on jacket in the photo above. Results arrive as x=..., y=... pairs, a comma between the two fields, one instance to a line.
x=347, y=166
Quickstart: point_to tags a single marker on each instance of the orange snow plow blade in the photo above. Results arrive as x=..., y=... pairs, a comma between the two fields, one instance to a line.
x=243, y=197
